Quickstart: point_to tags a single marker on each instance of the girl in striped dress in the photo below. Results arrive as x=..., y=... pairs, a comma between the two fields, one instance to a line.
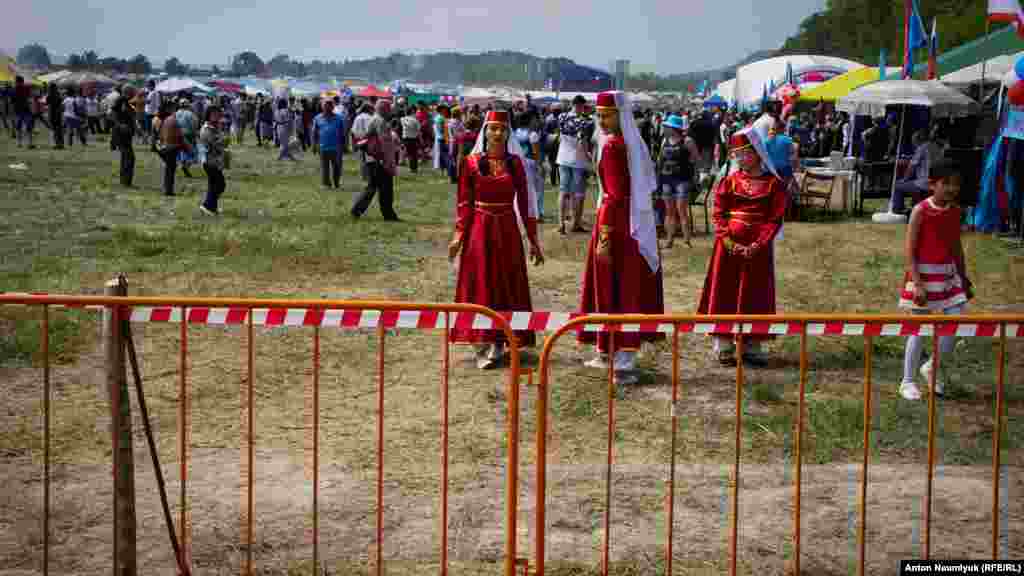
x=936, y=279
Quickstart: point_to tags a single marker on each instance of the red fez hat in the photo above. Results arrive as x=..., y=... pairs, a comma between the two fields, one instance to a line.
x=739, y=141
x=497, y=116
x=606, y=100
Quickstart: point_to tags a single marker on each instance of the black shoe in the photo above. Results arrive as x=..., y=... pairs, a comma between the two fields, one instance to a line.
x=355, y=215
x=169, y=194
x=755, y=360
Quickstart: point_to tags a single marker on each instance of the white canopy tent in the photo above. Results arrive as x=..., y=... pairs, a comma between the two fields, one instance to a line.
x=751, y=79
x=172, y=85
x=727, y=90
x=995, y=70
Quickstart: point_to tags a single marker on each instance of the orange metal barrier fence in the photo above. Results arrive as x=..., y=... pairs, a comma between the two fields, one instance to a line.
x=367, y=314
x=998, y=326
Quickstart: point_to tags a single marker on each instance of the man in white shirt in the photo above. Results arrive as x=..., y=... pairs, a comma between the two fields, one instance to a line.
x=153, y=102
x=574, y=163
x=411, y=138
x=359, y=127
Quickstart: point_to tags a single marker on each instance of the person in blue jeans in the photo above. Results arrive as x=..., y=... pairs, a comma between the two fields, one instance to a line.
x=329, y=133
x=573, y=164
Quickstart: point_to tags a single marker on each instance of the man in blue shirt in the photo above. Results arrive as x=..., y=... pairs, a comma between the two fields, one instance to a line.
x=329, y=132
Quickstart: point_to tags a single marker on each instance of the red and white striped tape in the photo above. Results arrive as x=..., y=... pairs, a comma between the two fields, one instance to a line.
x=547, y=322
x=541, y=322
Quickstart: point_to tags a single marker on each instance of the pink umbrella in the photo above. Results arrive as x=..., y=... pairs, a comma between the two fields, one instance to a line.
x=225, y=86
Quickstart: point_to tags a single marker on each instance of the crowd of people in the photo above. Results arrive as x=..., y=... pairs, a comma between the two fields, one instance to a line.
x=646, y=164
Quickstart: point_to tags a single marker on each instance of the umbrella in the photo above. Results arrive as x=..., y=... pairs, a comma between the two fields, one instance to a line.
x=372, y=91
x=54, y=76
x=84, y=79
x=172, y=85
x=872, y=99
x=225, y=86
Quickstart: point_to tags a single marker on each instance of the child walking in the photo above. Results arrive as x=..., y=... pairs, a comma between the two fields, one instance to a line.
x=936, y=279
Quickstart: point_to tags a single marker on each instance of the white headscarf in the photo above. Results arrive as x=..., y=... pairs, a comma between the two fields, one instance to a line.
x=757, y=141
x=511, y=147
x=642, y=181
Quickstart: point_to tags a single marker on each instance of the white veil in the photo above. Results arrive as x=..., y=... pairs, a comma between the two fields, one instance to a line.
x=512, y=147
x=642, y=181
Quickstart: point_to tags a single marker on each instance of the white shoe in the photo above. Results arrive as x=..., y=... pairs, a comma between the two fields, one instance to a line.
x=625, y=361
x=909, y=391
x=599, y=362
x=888, y=218
x=926, y=373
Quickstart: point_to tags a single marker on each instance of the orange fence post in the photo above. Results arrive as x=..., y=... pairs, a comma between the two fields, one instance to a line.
x=183, y=442
x=801, y=409
x=997, y=437
x=379, y=554
x=444, y=445
x=316, y=450
x=931, y=442
x=672, y=457
x=608, y=467
x=250, y=446
x=512, y=488
x=734, y=520
x=45, y=337
x=861, y=536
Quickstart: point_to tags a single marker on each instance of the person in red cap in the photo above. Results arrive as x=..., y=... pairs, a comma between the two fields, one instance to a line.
x=749, y=206
x=493, y=191
x=623, y=270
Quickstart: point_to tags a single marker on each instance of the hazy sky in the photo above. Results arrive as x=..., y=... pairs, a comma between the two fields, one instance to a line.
x=670, y=36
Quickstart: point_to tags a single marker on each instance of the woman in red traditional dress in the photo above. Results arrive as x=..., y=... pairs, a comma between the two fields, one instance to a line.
x=623, y=271
x=493, y=196
x=749, y=206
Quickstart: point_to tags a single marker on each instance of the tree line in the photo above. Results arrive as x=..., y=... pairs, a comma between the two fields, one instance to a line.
x=853, y=29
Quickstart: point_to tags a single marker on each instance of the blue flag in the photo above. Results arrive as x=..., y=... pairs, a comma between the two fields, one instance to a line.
x=914, y=36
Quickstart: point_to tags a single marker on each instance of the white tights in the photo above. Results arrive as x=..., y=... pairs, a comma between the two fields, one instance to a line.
x=915, y=346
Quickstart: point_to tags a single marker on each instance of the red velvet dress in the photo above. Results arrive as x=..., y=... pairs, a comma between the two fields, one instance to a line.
x=747, y=209
x=492, y=264
x=617, y=279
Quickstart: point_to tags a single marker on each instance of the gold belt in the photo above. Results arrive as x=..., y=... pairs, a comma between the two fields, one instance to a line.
x=748, y=217
x=494, y=208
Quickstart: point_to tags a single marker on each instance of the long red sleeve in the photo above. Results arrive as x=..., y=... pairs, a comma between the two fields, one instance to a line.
x=614, y=172
x=777, y=211
x=466, y=198
x=723, y=203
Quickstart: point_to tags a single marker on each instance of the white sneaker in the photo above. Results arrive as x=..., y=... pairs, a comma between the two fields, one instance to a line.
x=909, y=391
x=625, y=361
x=926, y=373
x=599, y=362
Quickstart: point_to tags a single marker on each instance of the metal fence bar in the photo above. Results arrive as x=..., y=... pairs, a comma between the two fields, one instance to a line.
x=931, y=444
x=379, y=553
x=512, y=483
x=997, y=437
x=862, y=528
x=445, y=360
x=672, y=458
x=798, y=454
x=316, y=450
x=734, y=519
x=45, y=344
x=250, y=445
x=605, y=547
x=183, y=441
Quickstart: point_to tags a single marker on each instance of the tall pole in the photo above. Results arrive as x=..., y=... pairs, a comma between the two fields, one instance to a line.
x=981, y=88
x=120, y=434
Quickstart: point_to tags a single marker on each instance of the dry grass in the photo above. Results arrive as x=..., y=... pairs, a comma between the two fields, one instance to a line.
x=69, y=229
